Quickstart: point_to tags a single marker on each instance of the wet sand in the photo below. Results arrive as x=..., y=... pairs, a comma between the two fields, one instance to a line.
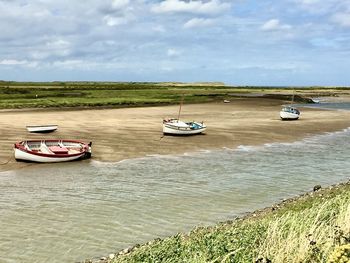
x=125, y=133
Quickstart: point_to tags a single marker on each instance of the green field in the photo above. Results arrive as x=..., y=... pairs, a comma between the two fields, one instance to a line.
x=313, y=228
x=121, y=94
x=81, y=94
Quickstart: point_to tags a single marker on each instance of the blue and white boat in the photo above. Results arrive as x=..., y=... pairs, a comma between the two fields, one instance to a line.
x=174, y=126
x=177, y=127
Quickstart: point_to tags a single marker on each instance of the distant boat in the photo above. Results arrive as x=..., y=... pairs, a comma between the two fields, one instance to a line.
x=227, y=101
x=41, y=128
x=176, y=127
x=289, y=112
x=49, y=151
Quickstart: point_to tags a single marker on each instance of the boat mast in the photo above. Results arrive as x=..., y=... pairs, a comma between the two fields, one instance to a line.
x=182, y=100
x=293, y=97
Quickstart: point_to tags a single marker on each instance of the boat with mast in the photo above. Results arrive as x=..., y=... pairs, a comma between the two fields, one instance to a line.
x=289, y=112
x=177, y=127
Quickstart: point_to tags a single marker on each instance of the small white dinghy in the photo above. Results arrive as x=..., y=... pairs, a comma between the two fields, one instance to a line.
x=289, y=113
x=50, y=151
x=41, y=128
x=177, y=127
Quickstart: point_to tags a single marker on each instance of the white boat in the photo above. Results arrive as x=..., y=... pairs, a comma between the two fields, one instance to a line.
x=289, y=113
x=41, y=128
x=177, y=127
x=50, y=151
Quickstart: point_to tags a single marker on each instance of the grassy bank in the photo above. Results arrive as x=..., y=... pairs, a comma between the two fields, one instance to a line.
x=114, y=94
x=95, y=94
x=312, y=228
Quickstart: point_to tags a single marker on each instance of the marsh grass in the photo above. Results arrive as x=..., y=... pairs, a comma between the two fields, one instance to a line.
x=95, y=94
x=306, y=230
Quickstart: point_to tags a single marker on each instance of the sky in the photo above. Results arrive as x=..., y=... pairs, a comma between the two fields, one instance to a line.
x=238, y=42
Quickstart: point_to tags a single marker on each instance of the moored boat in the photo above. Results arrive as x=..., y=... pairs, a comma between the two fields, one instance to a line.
x=177, y=127
x=289, y=113
x=49, y=151
x=42, y=128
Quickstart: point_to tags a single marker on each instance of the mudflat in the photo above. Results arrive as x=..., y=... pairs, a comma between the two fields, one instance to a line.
x=124, y=133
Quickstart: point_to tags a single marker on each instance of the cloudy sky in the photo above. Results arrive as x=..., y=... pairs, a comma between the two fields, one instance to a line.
x=239, y=42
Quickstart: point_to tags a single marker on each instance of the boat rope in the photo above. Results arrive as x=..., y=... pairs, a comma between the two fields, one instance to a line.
x=7, y=161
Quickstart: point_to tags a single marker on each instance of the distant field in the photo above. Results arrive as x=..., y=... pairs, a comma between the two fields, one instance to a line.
x=120, y=94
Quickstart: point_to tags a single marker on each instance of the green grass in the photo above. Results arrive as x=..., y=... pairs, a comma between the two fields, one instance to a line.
x=95, y=94
x=306, y=230
x=30, y=96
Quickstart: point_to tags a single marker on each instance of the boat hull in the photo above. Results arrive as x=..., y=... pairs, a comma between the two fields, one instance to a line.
x=24, y=153
x=289, y=116
x=42, y=128
x=28, y=157
x=170, y=129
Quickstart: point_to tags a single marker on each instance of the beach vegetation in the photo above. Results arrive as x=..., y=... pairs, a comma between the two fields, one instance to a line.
x=311, y=228
x=122, y=94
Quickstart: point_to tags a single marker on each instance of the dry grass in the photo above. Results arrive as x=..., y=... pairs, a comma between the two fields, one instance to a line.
x=309, y=235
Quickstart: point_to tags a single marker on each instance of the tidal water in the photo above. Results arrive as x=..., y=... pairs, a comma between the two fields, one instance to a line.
x=73, y=211
x=328, y=105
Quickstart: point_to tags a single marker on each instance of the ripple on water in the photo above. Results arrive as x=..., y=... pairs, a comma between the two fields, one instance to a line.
x=68, y=212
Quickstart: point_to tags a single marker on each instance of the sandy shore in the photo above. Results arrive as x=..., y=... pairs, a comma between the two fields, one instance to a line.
x=119, y=134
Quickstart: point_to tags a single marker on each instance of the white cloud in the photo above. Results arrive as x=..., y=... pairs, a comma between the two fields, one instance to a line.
x=115, y=21
x=17, y=63
x=118, y=4
x=195, y=7
x=342, y=19
x=322, y=6
x=58, y=47
x=274, y=25
x=309, y=2
x=60, y=43
x=13, y=62
x=173, y=52
x=198, y=22
x=120, y=12
x=159, y=28
x=69, y=62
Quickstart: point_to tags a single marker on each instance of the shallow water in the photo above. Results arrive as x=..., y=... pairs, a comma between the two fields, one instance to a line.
x=72, y=211
x=324, y=104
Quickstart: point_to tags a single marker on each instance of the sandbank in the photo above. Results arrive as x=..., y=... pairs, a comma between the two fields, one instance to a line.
x=125, y=133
